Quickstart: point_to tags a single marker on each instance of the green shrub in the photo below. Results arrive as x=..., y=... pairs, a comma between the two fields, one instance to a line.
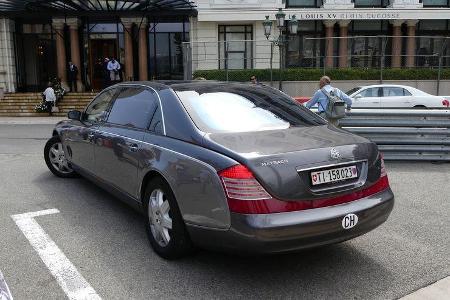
x=299, y=74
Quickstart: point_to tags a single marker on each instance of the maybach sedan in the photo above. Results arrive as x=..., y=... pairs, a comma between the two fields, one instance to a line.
x=224, y=166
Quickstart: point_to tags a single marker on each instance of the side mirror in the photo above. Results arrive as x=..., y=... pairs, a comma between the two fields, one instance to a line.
x=74, y=115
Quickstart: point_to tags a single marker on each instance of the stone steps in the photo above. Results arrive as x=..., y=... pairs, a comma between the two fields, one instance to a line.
x=23, y=104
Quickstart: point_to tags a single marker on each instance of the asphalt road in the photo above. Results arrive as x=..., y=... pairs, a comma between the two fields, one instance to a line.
x=105, y=240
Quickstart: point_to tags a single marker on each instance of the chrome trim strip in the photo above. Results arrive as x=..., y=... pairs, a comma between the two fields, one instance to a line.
x=332, y=165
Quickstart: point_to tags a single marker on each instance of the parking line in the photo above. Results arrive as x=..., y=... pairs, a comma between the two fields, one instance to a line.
x=436, y=291
x=5, y=293
x=65, y=273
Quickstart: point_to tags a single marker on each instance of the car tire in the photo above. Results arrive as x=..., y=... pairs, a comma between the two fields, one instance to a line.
x=56, y=160
x=164, y=225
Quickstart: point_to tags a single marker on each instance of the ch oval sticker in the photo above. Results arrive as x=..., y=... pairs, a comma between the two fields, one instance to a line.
x=349, y=221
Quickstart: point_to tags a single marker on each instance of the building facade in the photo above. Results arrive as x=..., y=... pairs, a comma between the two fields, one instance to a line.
x=40, y=38
x=169, y=39
x=331, y=33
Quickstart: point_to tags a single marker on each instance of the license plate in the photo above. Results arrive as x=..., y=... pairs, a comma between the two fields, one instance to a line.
x=333, y=175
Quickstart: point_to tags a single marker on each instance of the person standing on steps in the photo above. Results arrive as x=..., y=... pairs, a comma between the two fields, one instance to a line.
x=49, y=98
x=73, y=73
x=113, y=68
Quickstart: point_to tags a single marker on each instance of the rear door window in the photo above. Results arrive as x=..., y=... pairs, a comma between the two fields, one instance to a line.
x=134, y=107
x=394, y=92
x=370, y=92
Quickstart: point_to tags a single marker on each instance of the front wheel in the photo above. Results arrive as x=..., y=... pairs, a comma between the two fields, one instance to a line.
x=56, y=160
x=165, y=226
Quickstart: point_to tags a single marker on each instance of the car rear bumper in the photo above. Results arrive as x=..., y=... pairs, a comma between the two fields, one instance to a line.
x=284, y=232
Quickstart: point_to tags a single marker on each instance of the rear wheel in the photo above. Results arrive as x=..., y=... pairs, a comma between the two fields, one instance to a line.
x=56, y=160
x=165, y=226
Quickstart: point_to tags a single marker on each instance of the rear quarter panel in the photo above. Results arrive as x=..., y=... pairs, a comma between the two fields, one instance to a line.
x=191, y=172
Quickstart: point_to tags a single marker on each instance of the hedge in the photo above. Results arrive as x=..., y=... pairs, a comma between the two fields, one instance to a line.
x=299, y=74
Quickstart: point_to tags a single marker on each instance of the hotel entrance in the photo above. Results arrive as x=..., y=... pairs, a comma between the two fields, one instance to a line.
x=101, y=40
x=100, y=49
x=145, y=37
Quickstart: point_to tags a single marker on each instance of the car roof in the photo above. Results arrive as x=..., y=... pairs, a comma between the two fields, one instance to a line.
x=386, y=85
x=192, y=84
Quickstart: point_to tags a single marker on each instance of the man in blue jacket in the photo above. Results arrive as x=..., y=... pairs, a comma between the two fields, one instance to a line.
x=321, y=99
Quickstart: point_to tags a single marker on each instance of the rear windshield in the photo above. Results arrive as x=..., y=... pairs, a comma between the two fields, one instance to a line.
x=244, y=109
x=353, y=90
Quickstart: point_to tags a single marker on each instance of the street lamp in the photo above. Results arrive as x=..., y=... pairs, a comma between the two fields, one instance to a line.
x=267, y=24
x=282, y=39
x=280, y=15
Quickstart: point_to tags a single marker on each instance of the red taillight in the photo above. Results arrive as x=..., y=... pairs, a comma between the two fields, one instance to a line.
x=247, y=196
x=240, y=184
x=445, y=102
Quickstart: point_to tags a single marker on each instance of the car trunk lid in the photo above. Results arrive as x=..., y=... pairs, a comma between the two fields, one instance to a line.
x=282, y=160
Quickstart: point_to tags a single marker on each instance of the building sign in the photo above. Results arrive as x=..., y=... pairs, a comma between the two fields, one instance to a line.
x=349, y=15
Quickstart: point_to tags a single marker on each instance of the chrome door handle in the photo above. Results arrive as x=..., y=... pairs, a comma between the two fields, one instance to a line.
x=133, y=147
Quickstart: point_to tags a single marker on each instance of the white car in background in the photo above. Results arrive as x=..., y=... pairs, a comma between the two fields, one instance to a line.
x=394, y=96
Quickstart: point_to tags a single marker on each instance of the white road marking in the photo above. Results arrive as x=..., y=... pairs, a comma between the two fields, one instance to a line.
x=436, y=291
x=65, y=273
x=5, y=293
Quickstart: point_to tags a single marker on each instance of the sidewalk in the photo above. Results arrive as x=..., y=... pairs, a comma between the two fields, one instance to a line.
x=31, y=120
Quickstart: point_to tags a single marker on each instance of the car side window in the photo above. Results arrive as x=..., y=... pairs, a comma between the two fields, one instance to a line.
x=134, y=107
x=97, y=111
x=406, y=92
x=393, y=91
x=370, y=92
x=156, y=125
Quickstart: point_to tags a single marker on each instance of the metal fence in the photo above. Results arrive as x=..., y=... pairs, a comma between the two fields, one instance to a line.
x=404, y=134
x=377, y=55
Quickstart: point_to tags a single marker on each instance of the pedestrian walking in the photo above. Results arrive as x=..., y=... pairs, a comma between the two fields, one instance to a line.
x=330, y=101
x=49, y=98
x=113, y=68
x=73, y=73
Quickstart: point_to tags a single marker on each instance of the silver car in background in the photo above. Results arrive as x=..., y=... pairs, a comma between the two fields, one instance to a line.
x=224, y=166
x=394, y=96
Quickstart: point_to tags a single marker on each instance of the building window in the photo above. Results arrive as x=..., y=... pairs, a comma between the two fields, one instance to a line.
x=304, y=49
x=304, y=3
x=35, y=48
x=436, y=3
x=235, y=46
x=166, y=49
x=428, y=47
x=365, y=47
x=371, y=3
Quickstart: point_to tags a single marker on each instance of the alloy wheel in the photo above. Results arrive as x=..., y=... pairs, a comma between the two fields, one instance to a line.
x=58, y=159
x=159, y=217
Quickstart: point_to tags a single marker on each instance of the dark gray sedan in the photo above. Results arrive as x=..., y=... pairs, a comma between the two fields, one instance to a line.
x=224, y=166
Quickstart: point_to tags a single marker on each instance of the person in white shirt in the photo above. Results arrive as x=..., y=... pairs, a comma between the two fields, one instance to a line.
x=113, y=68
x=49, y=97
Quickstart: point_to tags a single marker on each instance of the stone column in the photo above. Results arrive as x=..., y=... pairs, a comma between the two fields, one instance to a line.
x=396, y=59
x=143, y=54
x=61, y=64
x=343, y=43
x=128, y=39
x=411, y=43
x=329, y=43
x=73, y=24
